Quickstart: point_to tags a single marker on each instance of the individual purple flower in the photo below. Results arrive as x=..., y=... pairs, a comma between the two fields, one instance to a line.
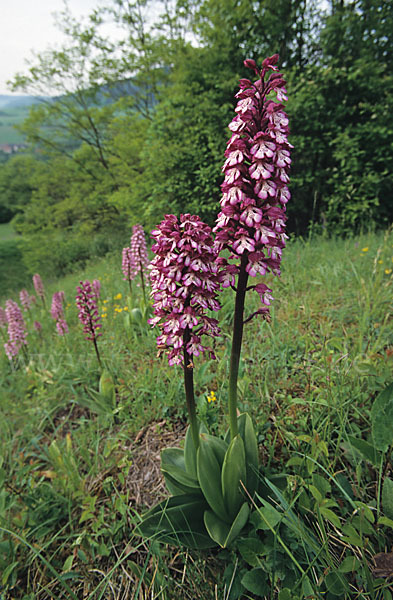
x=57, y=312
x=251, y=224
x=16, y=329
x=37, y=326
x=39, y=287
x=88, y=315
x=184, y=279
x=25, y=299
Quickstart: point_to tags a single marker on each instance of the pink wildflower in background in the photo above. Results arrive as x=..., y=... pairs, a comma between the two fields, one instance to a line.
x=184, y=279
x=251, y=224
x=26, y=300
x=88, y=315
x=3, y=318
x=138, y=251
x=135, y=258
x=57, y=312
x=37, y=326
x=39, y=287
x=126, y=264
x=16, y=329
x=96, y=286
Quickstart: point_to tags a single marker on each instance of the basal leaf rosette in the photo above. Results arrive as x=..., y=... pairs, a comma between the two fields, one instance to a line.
x=184, y=280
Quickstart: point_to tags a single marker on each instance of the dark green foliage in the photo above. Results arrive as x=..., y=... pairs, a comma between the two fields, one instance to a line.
x=138, y=127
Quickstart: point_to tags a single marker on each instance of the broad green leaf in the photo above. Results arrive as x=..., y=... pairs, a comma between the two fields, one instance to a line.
x=209, y=475
x=67, y=566
x=178, y=482
x=106, y=388
x=256, y=581
x=247, y=433
x=351, y=535
x=385, y=521
x=349, y=565
x=233, y=472
x=336, y=584
x=251, y=550
x=216, y=527
x=218, y=446
x=322, y=484
x=177, y=521
x=190, y=454
x=382, y=419
x=387, y=498
x=223, y=533
x=330, y=516
x=266, y=517
x=238, y=524
x=316, y=493
x=367, y=450
x=172, y=464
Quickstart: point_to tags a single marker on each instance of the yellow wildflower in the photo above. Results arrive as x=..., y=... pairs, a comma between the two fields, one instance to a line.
x=118, y=296
x=104, y=315
x=125, y=308
x=105, y=301
x=388, y=271
x=380, y=262
x=365, y=249
x=211, y=397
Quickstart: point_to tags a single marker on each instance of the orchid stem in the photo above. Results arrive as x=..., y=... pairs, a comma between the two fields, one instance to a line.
x=237, y=338
x=189, y=389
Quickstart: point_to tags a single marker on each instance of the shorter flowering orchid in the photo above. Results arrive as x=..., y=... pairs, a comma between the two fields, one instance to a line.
x=184, y=279
x=3, y=318
x=57, y=313
x=39, y=287
x=135, y=258
x=88, y=315
x=26, y=299
x=16, y=329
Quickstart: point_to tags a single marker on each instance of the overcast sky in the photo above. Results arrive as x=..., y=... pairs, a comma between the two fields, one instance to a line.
x=27, y=25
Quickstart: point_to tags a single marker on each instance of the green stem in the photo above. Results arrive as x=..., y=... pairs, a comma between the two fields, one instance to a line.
x=189, y=389
x=142, y=280
x=237, y=338
x=97, y=353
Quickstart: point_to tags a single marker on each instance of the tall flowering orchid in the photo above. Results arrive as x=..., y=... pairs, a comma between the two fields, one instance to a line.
x=251, y=224
x=184, y=280
x=57, y=313
x=39, y=287
x=207, y=478
x=16, y=329
x=88, y=315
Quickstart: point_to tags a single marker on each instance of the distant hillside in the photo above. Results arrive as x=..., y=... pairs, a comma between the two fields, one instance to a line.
x=13, y=110
x=11, y=101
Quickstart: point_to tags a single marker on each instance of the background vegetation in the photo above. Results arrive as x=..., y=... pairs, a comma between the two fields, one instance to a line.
x=136, y=127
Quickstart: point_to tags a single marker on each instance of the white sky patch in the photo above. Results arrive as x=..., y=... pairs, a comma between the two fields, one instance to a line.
x=27, y=26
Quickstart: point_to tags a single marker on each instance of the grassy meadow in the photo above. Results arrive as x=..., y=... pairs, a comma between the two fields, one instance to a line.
x=76, y=471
